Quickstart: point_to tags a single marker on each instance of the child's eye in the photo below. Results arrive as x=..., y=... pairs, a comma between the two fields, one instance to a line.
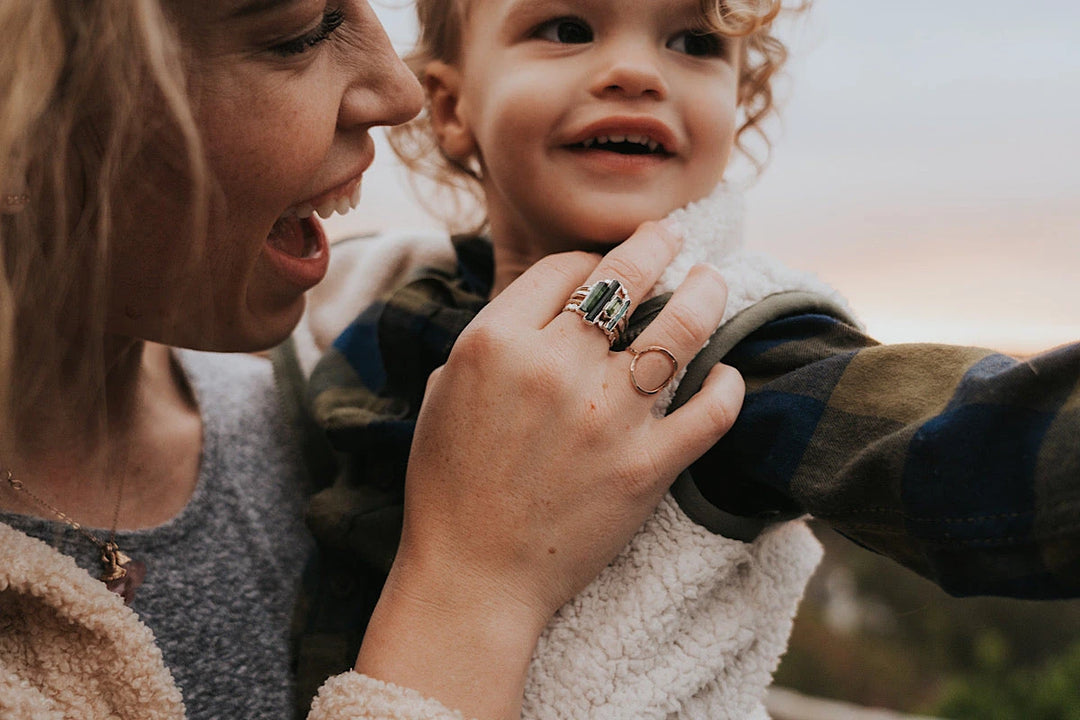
x=332, y=20
x=698, y=44
x=565, y=30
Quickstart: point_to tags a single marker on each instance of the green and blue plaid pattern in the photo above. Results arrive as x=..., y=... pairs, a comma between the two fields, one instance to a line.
x=960, y=463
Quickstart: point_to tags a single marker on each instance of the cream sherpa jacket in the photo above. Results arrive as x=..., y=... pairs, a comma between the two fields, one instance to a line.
x=71, y=650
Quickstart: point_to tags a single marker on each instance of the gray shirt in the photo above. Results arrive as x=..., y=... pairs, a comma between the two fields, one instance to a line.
x=222, y=576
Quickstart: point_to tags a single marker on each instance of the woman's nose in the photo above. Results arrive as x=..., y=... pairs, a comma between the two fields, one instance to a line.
x=631, y=69
x=382, y=90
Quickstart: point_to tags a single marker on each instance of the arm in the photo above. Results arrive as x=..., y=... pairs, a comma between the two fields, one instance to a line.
x=960, y=463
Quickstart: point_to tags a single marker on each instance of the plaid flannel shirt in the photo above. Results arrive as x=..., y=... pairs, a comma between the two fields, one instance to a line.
x=960, y=463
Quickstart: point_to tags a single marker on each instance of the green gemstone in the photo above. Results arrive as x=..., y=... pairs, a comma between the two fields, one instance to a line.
x=593, y=298
x=610, y=288
x=618, y=314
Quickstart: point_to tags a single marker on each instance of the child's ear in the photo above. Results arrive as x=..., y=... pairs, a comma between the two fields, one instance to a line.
x=442, y=82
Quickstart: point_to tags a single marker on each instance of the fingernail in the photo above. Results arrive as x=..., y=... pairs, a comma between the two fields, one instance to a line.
x=673, y=227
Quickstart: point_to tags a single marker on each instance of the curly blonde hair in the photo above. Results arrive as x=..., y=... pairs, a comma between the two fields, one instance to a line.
x=456, y=196
x=88, y=87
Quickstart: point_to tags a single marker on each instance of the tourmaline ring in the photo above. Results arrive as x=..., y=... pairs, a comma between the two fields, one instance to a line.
x=605, y=304
x=638, y=354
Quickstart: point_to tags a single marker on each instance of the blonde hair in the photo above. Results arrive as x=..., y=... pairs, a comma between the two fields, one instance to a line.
x=457, y=193
x=87, y=87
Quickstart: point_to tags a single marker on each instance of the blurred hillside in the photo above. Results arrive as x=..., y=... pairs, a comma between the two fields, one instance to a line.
x=872, y=633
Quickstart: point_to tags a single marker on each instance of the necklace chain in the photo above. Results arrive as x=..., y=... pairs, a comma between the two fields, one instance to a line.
x=18, y=486
x=116, y=563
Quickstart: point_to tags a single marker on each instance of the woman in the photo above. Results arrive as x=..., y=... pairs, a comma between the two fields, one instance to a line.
x=157, y=162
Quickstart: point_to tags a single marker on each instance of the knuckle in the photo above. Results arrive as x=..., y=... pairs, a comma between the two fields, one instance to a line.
x=721, y=415
x=477, y=345
x=628, y=272
x=433, y=378
x=570, y=266
x=685, y=327
x=725, y=406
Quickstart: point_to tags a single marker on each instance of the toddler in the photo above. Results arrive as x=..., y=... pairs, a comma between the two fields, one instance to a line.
x=571, y=122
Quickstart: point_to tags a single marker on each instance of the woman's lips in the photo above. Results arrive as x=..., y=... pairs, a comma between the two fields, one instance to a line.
x=297, y=248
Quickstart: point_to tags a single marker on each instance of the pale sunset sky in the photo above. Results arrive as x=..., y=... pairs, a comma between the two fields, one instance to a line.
x=927, y=165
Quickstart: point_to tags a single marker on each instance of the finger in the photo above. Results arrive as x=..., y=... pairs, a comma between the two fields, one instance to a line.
x=637, y=263
x=540, y=293
x=687, y=321
x=705, y=418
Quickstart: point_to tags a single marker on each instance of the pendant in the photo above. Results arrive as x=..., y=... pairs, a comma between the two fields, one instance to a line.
x=121, y=575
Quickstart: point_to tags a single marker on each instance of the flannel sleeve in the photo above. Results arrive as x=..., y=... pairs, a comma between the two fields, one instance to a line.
x=960, y=463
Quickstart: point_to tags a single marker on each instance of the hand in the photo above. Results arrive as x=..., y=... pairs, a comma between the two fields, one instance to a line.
x=534, y=461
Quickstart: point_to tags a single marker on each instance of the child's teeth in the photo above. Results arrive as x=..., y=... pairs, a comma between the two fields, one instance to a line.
x=355, y=199
x=617, y=138
x=305, y=211
x=601, y=140
x=653, y=146
x=326, y=209
x=590, y=142
x=342, y=205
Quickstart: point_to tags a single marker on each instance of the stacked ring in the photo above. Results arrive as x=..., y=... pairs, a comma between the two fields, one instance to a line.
x=661, y=350
x=605, y=304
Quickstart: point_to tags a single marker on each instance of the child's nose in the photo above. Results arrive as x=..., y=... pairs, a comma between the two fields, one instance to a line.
x=631, y=70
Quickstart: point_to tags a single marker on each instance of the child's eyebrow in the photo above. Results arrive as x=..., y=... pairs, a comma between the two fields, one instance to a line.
x=688, y=11
x=519, y=12
x=535, y=7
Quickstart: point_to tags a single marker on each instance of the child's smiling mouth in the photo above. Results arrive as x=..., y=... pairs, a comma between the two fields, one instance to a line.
x=623, y=144
x=628, y=135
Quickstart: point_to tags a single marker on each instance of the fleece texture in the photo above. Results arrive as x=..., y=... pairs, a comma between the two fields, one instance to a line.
x=353, y=695
x=70, y=648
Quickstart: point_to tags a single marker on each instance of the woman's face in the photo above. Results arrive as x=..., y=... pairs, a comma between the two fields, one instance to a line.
x=285, y=92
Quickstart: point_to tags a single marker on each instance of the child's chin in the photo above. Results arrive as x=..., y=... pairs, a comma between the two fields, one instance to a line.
x=616, y=226
x=606, y=242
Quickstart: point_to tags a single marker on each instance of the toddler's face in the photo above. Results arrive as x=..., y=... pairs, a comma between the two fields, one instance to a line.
x=592, y=116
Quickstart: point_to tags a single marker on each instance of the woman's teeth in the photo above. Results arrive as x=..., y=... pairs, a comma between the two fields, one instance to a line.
x=325, y=209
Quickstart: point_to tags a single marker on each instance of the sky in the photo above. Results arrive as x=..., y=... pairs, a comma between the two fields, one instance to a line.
x=927, y=164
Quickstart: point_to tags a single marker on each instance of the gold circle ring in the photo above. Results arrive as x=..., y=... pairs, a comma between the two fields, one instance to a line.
x=633, y=368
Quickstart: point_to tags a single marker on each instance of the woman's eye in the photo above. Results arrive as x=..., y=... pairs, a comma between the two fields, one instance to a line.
x=698, y=44
x=565, y=30
x=331, y=21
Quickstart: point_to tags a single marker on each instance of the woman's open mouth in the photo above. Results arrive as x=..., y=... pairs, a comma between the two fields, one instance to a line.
x=294, y=236
x=298, y=250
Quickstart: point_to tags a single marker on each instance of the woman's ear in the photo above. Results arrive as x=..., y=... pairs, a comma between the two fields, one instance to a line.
x=442, y=83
